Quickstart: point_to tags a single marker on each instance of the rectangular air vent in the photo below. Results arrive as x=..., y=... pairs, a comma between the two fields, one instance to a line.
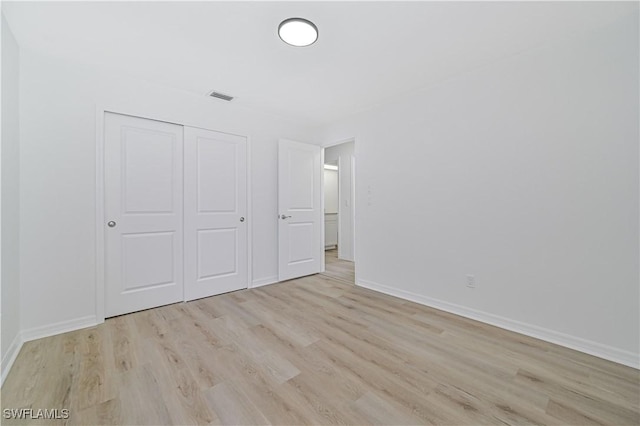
x=222, y=96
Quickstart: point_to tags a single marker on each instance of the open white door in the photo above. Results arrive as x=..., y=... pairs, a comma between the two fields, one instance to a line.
x=143, y=211
x=215, y=213
x=300, y=214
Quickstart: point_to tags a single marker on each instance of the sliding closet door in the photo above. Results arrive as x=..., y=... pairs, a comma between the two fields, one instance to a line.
x=143, y=214
x=215, y=209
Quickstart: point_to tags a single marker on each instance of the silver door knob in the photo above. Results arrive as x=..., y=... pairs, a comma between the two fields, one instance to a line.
x=111, y=224
x=284, y=217
x=242, y=219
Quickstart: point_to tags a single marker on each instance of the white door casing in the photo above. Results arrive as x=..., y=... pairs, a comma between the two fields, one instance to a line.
x=215, y=213
x=300, y=214
x=143, y=213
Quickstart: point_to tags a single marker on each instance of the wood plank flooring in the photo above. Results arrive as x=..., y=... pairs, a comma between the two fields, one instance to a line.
x=316, y=350
x=339, y=269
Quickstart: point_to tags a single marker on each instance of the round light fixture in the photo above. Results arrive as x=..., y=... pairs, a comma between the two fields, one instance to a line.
x=298, y=32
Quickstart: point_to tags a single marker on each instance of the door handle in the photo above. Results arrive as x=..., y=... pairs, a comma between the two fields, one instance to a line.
x=242, y=219
x=111, y=224
x=284, y=217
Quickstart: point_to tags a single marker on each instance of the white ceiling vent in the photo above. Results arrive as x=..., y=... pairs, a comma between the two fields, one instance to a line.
x=222, y=96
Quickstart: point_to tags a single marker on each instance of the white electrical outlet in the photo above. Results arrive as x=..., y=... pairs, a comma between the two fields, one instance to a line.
x=471, y=281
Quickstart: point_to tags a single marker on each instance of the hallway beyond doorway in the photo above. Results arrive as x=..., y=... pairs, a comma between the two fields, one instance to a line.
x=342, y=270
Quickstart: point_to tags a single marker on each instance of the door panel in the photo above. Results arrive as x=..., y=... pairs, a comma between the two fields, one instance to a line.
x=300, y=215
x=300, y=178
x=217, y=176
x=147, y=260
x=215, y=213
x=143, y=199
x=300, y=242
x=148, y=172
x=217, y=252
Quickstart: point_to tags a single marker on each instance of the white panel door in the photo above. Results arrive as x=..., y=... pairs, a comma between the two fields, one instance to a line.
x=143, y=210
x=300, y=214
x=215, y=209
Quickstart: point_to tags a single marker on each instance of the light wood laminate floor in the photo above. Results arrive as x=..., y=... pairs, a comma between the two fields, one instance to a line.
x=316, y=350
x=339, y=269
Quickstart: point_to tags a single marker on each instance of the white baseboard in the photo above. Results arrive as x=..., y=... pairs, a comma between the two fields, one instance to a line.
x=58, y=328
x=587, y=346
x=10, y=357
x=264, y=281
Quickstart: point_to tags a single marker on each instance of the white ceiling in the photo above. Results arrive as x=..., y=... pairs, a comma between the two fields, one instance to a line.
x=367, y=52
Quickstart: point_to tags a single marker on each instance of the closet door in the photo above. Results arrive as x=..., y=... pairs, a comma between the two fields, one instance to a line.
x=143, y=214
x=215, y=209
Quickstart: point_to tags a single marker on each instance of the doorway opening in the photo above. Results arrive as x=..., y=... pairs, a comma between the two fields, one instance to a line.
x=339, y=211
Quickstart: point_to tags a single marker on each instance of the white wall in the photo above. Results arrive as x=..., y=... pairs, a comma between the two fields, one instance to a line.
x=341, y=154
x=57, y=172
x=524, y=174
x=10, y=292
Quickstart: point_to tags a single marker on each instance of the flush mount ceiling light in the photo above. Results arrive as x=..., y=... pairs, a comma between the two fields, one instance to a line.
x=298, y=32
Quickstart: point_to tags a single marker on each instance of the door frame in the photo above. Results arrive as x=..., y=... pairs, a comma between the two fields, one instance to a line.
x=141, y=112
x=353, y=200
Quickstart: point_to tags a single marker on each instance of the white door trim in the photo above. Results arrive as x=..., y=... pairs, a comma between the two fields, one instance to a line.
x=322, y=224
x=340, y=208
x=340, y=142
x=100, y=194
